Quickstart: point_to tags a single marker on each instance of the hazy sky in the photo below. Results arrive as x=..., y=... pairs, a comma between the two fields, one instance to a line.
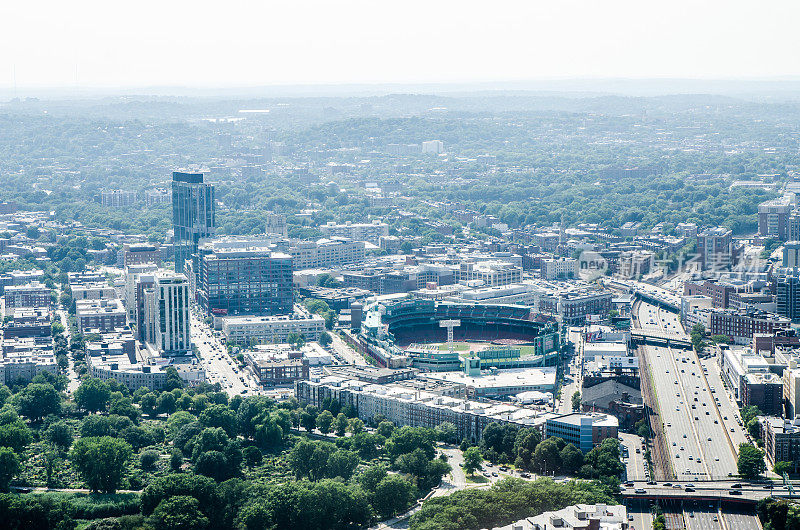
x=247, y=43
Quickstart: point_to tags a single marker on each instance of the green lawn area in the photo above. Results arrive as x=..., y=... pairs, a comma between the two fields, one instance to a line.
x=457, y=346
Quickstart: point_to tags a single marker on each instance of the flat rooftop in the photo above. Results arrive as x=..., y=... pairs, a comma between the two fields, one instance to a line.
x=544, y=377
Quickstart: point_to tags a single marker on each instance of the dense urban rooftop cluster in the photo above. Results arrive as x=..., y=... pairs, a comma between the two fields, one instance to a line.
x=368, y=300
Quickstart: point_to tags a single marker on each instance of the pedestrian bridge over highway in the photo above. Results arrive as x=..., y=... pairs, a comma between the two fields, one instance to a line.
x=660, y=338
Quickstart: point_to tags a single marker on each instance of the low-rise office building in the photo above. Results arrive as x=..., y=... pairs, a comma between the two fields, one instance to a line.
x=34, y=294
x=371, y=232
x=695, y=309
x=578, y=517
x=571, y=303
x=105, y=315
x=499, y=383
x=333, y=252
x=781, y=441
x=718, y=291
x=491, y=273
x=518, y=293
x=560, y=268
x=29, y=322
x=584, y=430
x=277, y=371
x=92, y=291
x=140, y=369
x=741, y=325
x=751, y=379
x=272, y=329
x=604, y=349
x=405, y=404
x=765, y=391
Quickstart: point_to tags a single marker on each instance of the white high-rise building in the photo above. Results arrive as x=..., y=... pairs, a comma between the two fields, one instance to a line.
x=433, y=146
x=167, y=313
x=132, y=274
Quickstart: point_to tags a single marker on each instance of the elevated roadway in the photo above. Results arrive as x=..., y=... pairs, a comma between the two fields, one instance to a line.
x=660, y=338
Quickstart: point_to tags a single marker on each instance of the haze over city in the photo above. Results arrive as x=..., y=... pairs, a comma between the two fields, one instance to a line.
x=95, y=44
x=399, y=265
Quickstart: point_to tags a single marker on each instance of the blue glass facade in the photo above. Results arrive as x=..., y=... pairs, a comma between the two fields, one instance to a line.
x=193, y=214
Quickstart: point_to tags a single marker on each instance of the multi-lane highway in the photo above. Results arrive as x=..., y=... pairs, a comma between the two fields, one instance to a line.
x=736, y=520
x=696, y=439
x=642, y=519
x=725, y=403
x=697, y=417
x=700, y=515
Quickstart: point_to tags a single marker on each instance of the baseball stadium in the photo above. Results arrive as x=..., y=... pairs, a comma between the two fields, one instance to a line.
x=437, y=336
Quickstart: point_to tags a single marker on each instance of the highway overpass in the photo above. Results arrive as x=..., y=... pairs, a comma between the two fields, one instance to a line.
x=711, y=491
x=660, y=338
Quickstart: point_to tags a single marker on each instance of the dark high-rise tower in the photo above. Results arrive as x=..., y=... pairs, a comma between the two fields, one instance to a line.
x=192, y=214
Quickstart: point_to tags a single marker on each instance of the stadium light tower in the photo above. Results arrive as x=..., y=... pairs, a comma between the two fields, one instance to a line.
x=449, y=324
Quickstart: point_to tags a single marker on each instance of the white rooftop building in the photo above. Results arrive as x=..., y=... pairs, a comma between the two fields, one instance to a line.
x=578, y=517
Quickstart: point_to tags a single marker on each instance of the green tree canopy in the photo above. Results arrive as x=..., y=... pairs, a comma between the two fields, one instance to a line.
x=9, y=466
x=38, y=400
x=180, y=512
x=472, y=460
x=92, y=395
x=101, y=461
x=750, y=462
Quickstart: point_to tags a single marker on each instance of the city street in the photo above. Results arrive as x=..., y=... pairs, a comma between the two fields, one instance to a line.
x=74, y=382
x=726, y=405
x=345, y=352
x=635, y=463
x=572, y=373
x=219, y=366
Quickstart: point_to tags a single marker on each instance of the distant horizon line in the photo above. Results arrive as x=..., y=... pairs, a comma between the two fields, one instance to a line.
x=587, y=85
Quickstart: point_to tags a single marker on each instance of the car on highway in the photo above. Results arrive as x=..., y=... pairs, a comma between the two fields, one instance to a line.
x=734, y=492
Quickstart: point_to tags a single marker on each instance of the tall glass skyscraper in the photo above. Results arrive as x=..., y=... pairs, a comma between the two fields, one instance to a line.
x=192, y=214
